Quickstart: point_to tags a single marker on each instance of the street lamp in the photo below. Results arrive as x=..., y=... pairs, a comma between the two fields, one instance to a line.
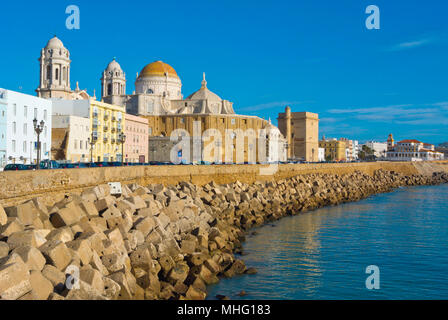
x=38, y=128
x=92, y=142
x=122, y=138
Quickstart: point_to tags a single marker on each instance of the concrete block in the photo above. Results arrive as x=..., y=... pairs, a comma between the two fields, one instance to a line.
x=93, y=277
x=25, y=238
x=14, y=280
x=82, y=248
x=55, y=276
x=41, y=286
x=65, y=217
x=56, y=253
x=32, y=257
x=13, y=225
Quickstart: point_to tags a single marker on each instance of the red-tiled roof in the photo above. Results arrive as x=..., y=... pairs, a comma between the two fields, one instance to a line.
x=409, y=141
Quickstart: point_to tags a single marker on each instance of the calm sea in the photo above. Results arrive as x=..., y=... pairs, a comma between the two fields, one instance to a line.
x=324, y=254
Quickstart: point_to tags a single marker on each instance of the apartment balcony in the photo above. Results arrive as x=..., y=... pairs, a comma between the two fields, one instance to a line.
x=106, y=117
x=114, y=118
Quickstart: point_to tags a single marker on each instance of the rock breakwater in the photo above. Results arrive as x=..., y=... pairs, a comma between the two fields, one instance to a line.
x=157, y=242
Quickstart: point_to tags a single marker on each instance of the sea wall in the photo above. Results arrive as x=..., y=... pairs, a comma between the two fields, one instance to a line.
x=161, y=242
x=17, y=186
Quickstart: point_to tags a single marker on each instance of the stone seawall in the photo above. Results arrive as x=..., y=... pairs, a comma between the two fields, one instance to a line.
x=15, y=187
x=162, y=242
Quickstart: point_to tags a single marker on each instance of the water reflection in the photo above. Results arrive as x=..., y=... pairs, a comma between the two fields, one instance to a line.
x=323, y=254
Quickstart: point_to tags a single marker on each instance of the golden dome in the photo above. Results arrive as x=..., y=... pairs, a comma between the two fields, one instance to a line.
x=158, y=68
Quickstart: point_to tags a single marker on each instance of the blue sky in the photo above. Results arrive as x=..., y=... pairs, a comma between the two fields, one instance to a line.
x=316, y=56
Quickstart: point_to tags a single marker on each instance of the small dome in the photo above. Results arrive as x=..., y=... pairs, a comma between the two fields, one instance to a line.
x=204, y=93
x=158, y=68
x=113, y=65
x=55, y=43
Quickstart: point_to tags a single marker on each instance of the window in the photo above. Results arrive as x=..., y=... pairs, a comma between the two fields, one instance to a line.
x=48, y=72
x=233, y=121
x=24, y=146
x=25, y=111
x=45, y=148
x=182, y=120
x=13, y=145
x=15, y=109
x=14, y=128
x=45, y=114
x=25, y=129
x=76, y=144
x=35, y=113
x=45, y=131
x=57, y=74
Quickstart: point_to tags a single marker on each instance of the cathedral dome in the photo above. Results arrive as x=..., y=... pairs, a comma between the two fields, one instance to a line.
x=113, y=65
x=204, y=93
x=55, y=43
x=158, y=68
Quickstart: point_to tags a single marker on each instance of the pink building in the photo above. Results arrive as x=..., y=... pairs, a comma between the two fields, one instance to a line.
x=136, y=145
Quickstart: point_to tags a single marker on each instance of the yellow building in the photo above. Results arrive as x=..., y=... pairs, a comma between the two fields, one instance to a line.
x=334, y=149
x=107, y=123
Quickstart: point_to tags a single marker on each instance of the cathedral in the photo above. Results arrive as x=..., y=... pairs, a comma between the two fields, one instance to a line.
x=157, y=97
x=158, y=91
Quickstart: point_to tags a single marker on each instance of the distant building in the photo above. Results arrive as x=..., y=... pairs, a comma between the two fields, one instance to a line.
x=136, y=144
x=18, y=139
x=351, y=153
x=70, y=135
x=411, y=150
x=301, y=130
x=335, y=150
x=379, y=148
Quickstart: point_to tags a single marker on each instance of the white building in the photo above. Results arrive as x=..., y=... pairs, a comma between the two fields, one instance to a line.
x=18, y=142
x=321, y=156
x=412, y=150
x=379, y=148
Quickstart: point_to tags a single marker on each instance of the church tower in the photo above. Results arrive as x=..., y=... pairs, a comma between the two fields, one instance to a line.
x=390, y=143
x=54, y=71
x=113, y=84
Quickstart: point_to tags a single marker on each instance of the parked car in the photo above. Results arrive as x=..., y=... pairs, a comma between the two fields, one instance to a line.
x=15, y=167
x=49, y=164
x=102, y=164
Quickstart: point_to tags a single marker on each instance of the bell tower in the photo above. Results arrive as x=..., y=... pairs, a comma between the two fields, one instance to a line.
x=54, y=71
x=113, y=84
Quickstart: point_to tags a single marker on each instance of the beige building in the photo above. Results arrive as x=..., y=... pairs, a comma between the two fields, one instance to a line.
x=301, y=130
x=70, y=138
x=335, y=150
x=136, y=132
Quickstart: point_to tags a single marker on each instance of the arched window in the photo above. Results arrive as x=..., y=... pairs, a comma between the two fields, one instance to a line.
x=109, y=89
x=57, y=74
x=48, y=72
